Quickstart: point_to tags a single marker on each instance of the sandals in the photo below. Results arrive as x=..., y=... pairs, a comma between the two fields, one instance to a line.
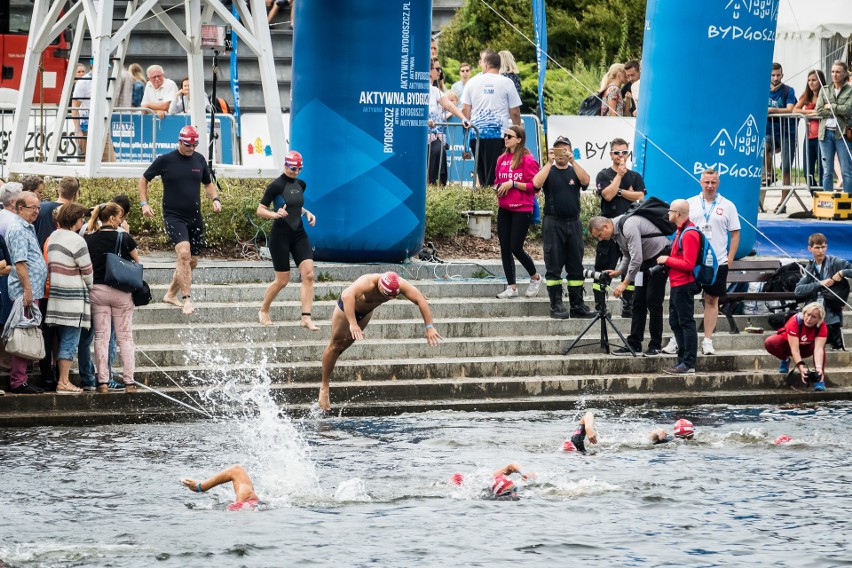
x=68, y=388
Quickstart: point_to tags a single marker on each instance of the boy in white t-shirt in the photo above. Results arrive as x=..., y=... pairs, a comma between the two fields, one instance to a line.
x=718, y=219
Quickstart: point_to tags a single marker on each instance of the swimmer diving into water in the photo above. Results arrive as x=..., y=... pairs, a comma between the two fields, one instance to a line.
x=354, y=311
x=245, y=496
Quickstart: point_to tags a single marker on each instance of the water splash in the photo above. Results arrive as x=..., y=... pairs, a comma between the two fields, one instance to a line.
x=352, y=490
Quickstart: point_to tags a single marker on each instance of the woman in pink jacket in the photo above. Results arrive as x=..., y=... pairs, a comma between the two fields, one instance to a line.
x=515, y=194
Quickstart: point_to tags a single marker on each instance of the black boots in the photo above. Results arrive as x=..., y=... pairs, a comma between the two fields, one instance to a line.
x=579, y=309
x=627, y=304
x=557, y=309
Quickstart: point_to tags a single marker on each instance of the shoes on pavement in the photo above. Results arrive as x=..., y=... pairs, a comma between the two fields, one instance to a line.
x=679, y=370
x=671, y=347
x=534, y=287
x=509, y=292
x=707, y=347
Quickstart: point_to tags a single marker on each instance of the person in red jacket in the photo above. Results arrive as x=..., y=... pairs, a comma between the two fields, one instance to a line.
x=682, y=285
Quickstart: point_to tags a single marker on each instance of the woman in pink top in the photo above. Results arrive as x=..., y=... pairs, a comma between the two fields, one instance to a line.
x=515, y=193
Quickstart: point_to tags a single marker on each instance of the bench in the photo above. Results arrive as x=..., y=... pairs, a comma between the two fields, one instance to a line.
x=750, y=271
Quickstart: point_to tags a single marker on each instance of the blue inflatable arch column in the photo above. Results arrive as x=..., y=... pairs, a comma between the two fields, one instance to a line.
x=703, y=100
x=359, y=114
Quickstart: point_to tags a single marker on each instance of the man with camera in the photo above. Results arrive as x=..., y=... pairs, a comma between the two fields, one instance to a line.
x=562, y=179
x=618, y=187
x=681, y=263
x=640, y=243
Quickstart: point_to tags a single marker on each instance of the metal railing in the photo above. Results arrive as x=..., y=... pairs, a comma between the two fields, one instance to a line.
x=459, y=161
x=792, y=162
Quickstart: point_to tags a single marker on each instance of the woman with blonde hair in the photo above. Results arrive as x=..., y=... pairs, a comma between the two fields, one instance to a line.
x=508, y=68
x=612, y=103
x=139, y=81
x=804, y=335
x=515, y=170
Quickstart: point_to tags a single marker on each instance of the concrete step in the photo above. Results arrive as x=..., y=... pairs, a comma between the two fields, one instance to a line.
x=439, y=365
x=288, y=329
x=496, y=394
x=194, y=352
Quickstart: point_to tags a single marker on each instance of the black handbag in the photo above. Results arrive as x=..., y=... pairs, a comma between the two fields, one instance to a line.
x=122, y=274
x=142, y=296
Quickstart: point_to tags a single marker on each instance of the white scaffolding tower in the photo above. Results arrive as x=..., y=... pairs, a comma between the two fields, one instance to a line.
x=108, y=47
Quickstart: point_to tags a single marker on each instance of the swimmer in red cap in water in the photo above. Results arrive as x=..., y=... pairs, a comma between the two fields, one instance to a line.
x=683, y=430
x=243, y=488
x=353, y=312
x=585, y=429
x=503, y=487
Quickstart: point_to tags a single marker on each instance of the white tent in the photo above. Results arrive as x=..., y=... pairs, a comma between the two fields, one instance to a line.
x=811, y=34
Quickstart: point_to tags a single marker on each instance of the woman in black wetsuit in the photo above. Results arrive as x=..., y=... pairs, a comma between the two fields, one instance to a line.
x=288, y=237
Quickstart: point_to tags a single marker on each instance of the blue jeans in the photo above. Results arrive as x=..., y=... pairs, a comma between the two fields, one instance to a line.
x=682, y=322
x=68, y=338
x=828, y=148
x=84, y=356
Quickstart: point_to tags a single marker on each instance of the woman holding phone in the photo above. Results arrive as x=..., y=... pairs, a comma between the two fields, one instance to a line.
x=515, y=170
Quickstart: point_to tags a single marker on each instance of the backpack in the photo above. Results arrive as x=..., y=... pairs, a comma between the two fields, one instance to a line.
x=655, y=210
x=591, y=105
x=784, y=279
x=706, y=265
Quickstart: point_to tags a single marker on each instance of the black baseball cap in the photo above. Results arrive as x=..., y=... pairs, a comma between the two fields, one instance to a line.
x=562, y=140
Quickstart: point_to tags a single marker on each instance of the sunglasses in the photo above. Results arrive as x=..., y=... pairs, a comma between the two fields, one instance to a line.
x=620, y=152
x=509, y=136
x=438, y=69
x=294, y=168
x=187, y=144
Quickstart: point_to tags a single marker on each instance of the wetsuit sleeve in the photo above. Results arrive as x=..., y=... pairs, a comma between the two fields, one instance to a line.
x=156, y=168
x=205, y=176
x=272, y=190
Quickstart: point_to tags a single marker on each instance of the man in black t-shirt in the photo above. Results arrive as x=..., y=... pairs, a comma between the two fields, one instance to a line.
x=562, y=179
x=618, y=187
x=183, y=171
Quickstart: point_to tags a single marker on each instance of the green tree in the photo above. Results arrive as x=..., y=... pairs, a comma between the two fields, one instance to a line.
x=583, y=36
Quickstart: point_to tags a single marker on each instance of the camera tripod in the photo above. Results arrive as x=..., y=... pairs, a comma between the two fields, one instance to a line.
x=604, y=318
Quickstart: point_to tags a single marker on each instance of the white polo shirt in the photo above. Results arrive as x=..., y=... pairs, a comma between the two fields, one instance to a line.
x=165, y=93
x=716, y=219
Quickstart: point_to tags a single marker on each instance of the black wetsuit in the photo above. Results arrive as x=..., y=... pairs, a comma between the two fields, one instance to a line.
x=579, y=439
x=182, y=178
x=288, y=236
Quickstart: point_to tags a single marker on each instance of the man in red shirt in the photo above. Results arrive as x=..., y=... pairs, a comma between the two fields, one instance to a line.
x=681, y=264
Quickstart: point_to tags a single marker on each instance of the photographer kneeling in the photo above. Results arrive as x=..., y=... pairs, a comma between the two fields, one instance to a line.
x=641, y=242
x=803, y=335
x=681, y=264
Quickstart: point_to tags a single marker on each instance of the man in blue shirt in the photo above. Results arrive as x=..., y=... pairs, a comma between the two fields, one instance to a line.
x=780, y=131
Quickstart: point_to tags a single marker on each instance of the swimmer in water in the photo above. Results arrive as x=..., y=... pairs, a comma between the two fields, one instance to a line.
x=585, y=429
x=505, y=488
x=245, y=496
x=355, y=309
x=683, y=430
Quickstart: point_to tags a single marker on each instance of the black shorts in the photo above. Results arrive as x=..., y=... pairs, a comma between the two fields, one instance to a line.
x=182, y=229
x=284, y=241
x=720, y=287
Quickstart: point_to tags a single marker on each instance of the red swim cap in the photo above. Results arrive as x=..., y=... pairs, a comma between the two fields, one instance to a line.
x=188, y=135
x=456, y=479
x=683, y=429
x=783, y=439
x=293, y=159
x=389, y=284
x=568, y=446
x=502, y=486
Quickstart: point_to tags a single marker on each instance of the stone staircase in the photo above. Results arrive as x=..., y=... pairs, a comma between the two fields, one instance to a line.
x=497, y=354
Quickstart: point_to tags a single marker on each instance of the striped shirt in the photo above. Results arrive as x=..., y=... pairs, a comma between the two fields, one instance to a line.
x=70, y=271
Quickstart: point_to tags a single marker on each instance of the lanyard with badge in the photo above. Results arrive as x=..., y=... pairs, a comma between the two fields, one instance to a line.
x=705, y=228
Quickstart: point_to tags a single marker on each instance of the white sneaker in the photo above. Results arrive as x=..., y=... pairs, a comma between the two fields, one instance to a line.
x=671, y=346
x=509, y=292
x=534, y=287
x=707, y=347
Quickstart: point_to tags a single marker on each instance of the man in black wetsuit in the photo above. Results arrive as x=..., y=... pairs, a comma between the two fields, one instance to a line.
x=182, y=170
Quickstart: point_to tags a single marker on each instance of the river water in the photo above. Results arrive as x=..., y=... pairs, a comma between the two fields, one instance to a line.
x=376, y=491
